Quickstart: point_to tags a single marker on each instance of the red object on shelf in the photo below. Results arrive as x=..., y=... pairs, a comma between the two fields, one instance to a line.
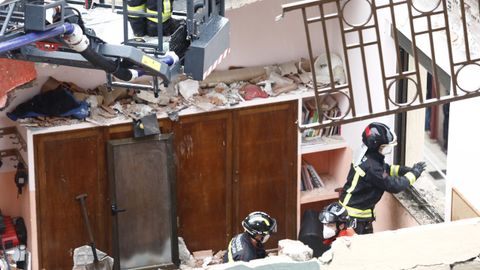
x=9, y=237
x=251, y=91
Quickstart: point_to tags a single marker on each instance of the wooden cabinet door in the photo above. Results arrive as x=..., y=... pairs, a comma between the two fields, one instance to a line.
x=265, y=154
x=68, y=164
x=203, y=164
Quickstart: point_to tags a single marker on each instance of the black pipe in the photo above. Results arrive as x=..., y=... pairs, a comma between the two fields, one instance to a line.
x=107, y=65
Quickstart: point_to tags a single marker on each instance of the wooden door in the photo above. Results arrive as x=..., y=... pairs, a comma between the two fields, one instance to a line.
x=203, y=162
x=265, y=154
x=68, y=164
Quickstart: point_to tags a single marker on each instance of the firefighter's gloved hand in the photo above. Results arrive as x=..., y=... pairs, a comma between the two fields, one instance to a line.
x=418, y=168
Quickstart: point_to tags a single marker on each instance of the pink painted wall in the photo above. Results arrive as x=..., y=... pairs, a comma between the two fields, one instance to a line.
x=9, y=203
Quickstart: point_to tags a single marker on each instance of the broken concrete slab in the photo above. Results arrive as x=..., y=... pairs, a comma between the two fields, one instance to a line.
x=295, y=250
x=109, y=97
x=288, y=68
x=233, y=75
x=429, y=245
x=279, y=80
x=472, y=265
x=277, y=90
x=188, y=88
x=149, y=96
x=202, y=254
x=269, y=263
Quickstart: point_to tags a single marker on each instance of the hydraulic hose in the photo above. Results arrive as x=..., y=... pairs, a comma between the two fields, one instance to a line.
x=100, y=61
x=79, y=42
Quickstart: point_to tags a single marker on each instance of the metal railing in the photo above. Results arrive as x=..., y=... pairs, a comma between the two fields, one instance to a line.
x=429, y=29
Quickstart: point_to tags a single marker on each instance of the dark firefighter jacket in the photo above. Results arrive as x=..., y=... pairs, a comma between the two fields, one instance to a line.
x=241, y=248
x=367, y=182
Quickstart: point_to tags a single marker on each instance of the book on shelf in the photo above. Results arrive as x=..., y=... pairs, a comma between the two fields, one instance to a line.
x=310, y=115
x=316, y=180
x=310, y=179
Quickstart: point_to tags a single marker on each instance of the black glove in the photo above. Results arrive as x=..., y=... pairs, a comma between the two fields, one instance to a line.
x=418, y=168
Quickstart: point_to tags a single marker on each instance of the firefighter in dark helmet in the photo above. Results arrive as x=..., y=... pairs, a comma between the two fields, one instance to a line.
x=369, y=177
x=142, y=26
x=336, y=223
x=249, y=245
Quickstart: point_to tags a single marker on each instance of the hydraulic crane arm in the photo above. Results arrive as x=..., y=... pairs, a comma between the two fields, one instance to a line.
x=30, y=32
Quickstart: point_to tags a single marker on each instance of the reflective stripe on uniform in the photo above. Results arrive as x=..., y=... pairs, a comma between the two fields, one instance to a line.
x=358, y=173
x=394, y=170
x=136, y=9
x=166, y=13
x=230, y=252
x=411, y=177
x=358, y=213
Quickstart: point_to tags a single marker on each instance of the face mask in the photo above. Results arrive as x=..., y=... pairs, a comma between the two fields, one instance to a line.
x=265, y=238
x=386, y=149
x=328, y=232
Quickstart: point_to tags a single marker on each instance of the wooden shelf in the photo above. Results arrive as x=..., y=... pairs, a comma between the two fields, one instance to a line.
x=319, y=194
x=323, y=144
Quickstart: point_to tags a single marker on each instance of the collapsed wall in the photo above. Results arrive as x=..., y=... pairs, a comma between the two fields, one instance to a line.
x=446, y=246
x=454, y=245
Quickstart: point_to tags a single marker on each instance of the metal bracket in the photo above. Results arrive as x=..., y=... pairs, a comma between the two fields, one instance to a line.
x=14, y=135
x=15, y=154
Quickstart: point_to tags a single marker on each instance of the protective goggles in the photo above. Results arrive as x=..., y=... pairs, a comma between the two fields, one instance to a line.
x=327, y=217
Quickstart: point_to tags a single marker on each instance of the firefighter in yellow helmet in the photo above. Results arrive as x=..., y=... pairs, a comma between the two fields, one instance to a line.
x=249, y=245
x=370, y=176
x=142, y=26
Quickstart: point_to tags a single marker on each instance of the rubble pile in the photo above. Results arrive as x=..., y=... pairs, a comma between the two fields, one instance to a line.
x=222, y=89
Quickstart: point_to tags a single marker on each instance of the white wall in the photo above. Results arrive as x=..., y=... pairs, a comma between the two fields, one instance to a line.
x=352, y=132
x=256, y=39
x=464, y=149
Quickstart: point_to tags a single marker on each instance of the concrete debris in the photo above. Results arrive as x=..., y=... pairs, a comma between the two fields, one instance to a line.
x=149, y=97
x=322, y=70
x=304, y=66
x=83, y=258
x=306, y=78
x=94, y=101
x=295, y=250
x=267, y=86
x=184, y=254
x=233, y=75
x=109, y=97
x=222, y=89
x=279, y=80
x=49, y=85
x=288, y=68
x=280, y=89
x=217, y=98
x=202, y=254
x=205, y=106
x=188, y=88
